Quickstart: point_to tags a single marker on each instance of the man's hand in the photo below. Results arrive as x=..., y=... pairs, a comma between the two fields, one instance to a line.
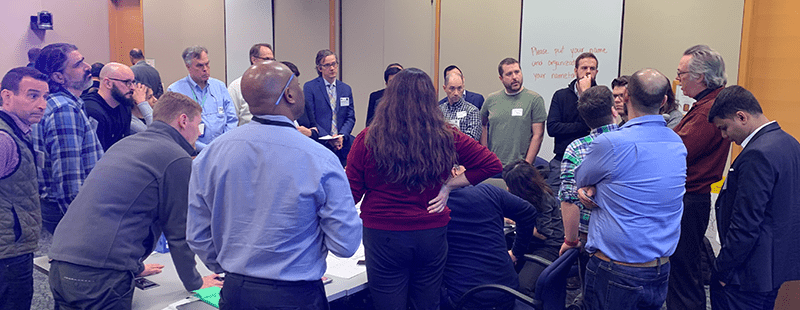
x=584, y=83
x=305, y=131
x=513, y=258
x=538, y=235
x=151, y=269
x=586, y=196
x=565, y=247
x=211, y=280
x=337, y=144
x=139, y=93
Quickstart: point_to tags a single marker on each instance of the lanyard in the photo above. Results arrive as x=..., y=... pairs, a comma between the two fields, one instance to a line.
x=271, y=122
x=196, y=98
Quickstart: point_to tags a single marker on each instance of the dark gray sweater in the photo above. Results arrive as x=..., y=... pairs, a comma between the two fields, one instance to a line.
x=137, y=190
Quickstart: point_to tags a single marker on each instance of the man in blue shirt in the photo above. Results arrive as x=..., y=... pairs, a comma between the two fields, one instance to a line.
x=219, y=115
x=639, y=173
x=269, y=217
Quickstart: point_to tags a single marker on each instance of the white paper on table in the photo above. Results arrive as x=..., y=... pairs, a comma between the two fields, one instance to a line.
x=346, y=268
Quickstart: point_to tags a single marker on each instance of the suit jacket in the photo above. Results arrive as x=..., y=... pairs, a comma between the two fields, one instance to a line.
x=318, y=108
x=475, y=99
x=374, y=97
x=758, y=214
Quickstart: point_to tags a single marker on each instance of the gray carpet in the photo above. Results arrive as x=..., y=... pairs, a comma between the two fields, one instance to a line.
x=42, y=297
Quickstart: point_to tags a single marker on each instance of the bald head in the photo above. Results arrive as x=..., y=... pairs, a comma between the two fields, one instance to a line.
x=114, y=69
x=263, y=86
x=647, y=89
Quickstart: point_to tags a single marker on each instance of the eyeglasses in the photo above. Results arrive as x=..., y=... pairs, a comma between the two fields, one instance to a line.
x=681, y=73
x=127, y=83
x=265, y=58
x=333, y=64
x=284, y=89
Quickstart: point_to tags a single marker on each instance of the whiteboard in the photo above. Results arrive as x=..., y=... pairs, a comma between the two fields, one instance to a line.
x=554, y=33
x=247, y=22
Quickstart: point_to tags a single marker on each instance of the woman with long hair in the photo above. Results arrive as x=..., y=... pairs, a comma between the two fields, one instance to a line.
x=525, y=181
x=400, y=165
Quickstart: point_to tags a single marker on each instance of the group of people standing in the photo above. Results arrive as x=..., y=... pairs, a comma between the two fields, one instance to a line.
x=278, y=173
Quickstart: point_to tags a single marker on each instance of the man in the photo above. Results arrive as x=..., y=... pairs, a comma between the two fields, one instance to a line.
x=639, y=173
x=219, y=114
x=701, y=72
x=618, y=88
x=145, y=73
x=757, y=210
x=287, y=202
x=456, y=110
x=137, y=191
x=64, y=138
x=507, y=114
x=95, y=71
x=597, y=108
x=376, y=96
x=23, y=102
x=476, y=242
x=109, y=109
x=329, y=106
x=33, y=53
x=258, y=53
x=475, y=99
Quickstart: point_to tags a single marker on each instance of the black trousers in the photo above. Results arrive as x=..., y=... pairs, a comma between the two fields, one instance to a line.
x=729, y=297
x=83, y=287
x=246, y=293
x=16, y=282
x=686, y=289
x=405, y=268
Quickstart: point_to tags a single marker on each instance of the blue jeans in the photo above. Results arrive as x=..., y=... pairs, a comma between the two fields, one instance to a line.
x=613, y=286
x=16, y=282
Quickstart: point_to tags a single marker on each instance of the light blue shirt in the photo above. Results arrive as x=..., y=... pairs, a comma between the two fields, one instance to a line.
x=219, y=114
x=268, y=202
x=640, y=175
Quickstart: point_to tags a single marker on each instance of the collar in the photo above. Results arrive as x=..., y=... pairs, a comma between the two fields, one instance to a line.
x=65, y=93
x=194, y=84
x=328, y=84
x=25, y=128
x=162, y=127
x=655, y=118
x=505, y=91
x=752, y=134
x=277, y=118
x=703, y=93
x=141, y=62
x=456, y=105
x=604, y=129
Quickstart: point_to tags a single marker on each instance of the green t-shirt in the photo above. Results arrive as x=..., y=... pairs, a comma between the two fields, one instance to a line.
x=510, y=120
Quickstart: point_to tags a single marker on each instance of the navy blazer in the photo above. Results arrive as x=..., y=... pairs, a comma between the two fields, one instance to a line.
x=475, y=99
x=758, y=214
x=318, y=108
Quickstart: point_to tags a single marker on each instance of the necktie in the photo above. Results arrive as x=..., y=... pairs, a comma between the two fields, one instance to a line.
x=332, y=100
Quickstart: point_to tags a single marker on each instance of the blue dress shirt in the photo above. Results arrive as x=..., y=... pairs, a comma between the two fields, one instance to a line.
x=219, y=115
x=266, y=201
x=640, y=175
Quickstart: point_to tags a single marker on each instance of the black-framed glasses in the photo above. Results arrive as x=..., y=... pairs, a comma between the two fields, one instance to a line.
x=681, y=73
x=328, y=65
x=127, y=83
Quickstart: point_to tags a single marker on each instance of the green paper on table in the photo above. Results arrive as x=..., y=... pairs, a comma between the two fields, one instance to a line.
x=209, y=295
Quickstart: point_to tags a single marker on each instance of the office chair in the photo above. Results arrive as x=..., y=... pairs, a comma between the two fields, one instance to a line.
x=551, y=287
x=523, y=302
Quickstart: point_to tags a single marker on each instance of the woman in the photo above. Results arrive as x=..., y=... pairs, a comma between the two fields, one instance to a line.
x=672, y=115
x=400, y=165
x=525, y=181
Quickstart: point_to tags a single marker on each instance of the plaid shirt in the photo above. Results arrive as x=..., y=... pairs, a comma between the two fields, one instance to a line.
x=573, y=156
x=69, y=146
x=463, y=115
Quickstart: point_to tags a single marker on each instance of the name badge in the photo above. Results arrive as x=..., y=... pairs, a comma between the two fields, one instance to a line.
x=220, y=110
x=344, y=101
x=202, y=128
x=461, y=114
x=516, y=112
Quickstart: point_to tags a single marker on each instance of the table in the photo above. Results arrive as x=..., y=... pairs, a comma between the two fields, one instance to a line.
x=171, y=293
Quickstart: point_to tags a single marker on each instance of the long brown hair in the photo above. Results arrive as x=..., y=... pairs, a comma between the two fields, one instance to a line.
x=409, y=138
x=524, y=181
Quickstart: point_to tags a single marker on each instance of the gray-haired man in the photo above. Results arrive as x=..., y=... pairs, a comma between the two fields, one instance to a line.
x=219, y=115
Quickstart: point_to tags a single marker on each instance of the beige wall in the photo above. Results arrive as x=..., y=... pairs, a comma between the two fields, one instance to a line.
x=172, y=26
x=301, y=29
x=80, y=22
x=656, y=33
x=376, y=33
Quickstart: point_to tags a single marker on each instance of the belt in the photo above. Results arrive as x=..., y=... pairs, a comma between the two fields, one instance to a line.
x=653, y=263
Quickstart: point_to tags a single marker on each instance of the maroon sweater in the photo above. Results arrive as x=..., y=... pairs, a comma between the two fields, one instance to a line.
x=707, y=151
x=391, y=206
